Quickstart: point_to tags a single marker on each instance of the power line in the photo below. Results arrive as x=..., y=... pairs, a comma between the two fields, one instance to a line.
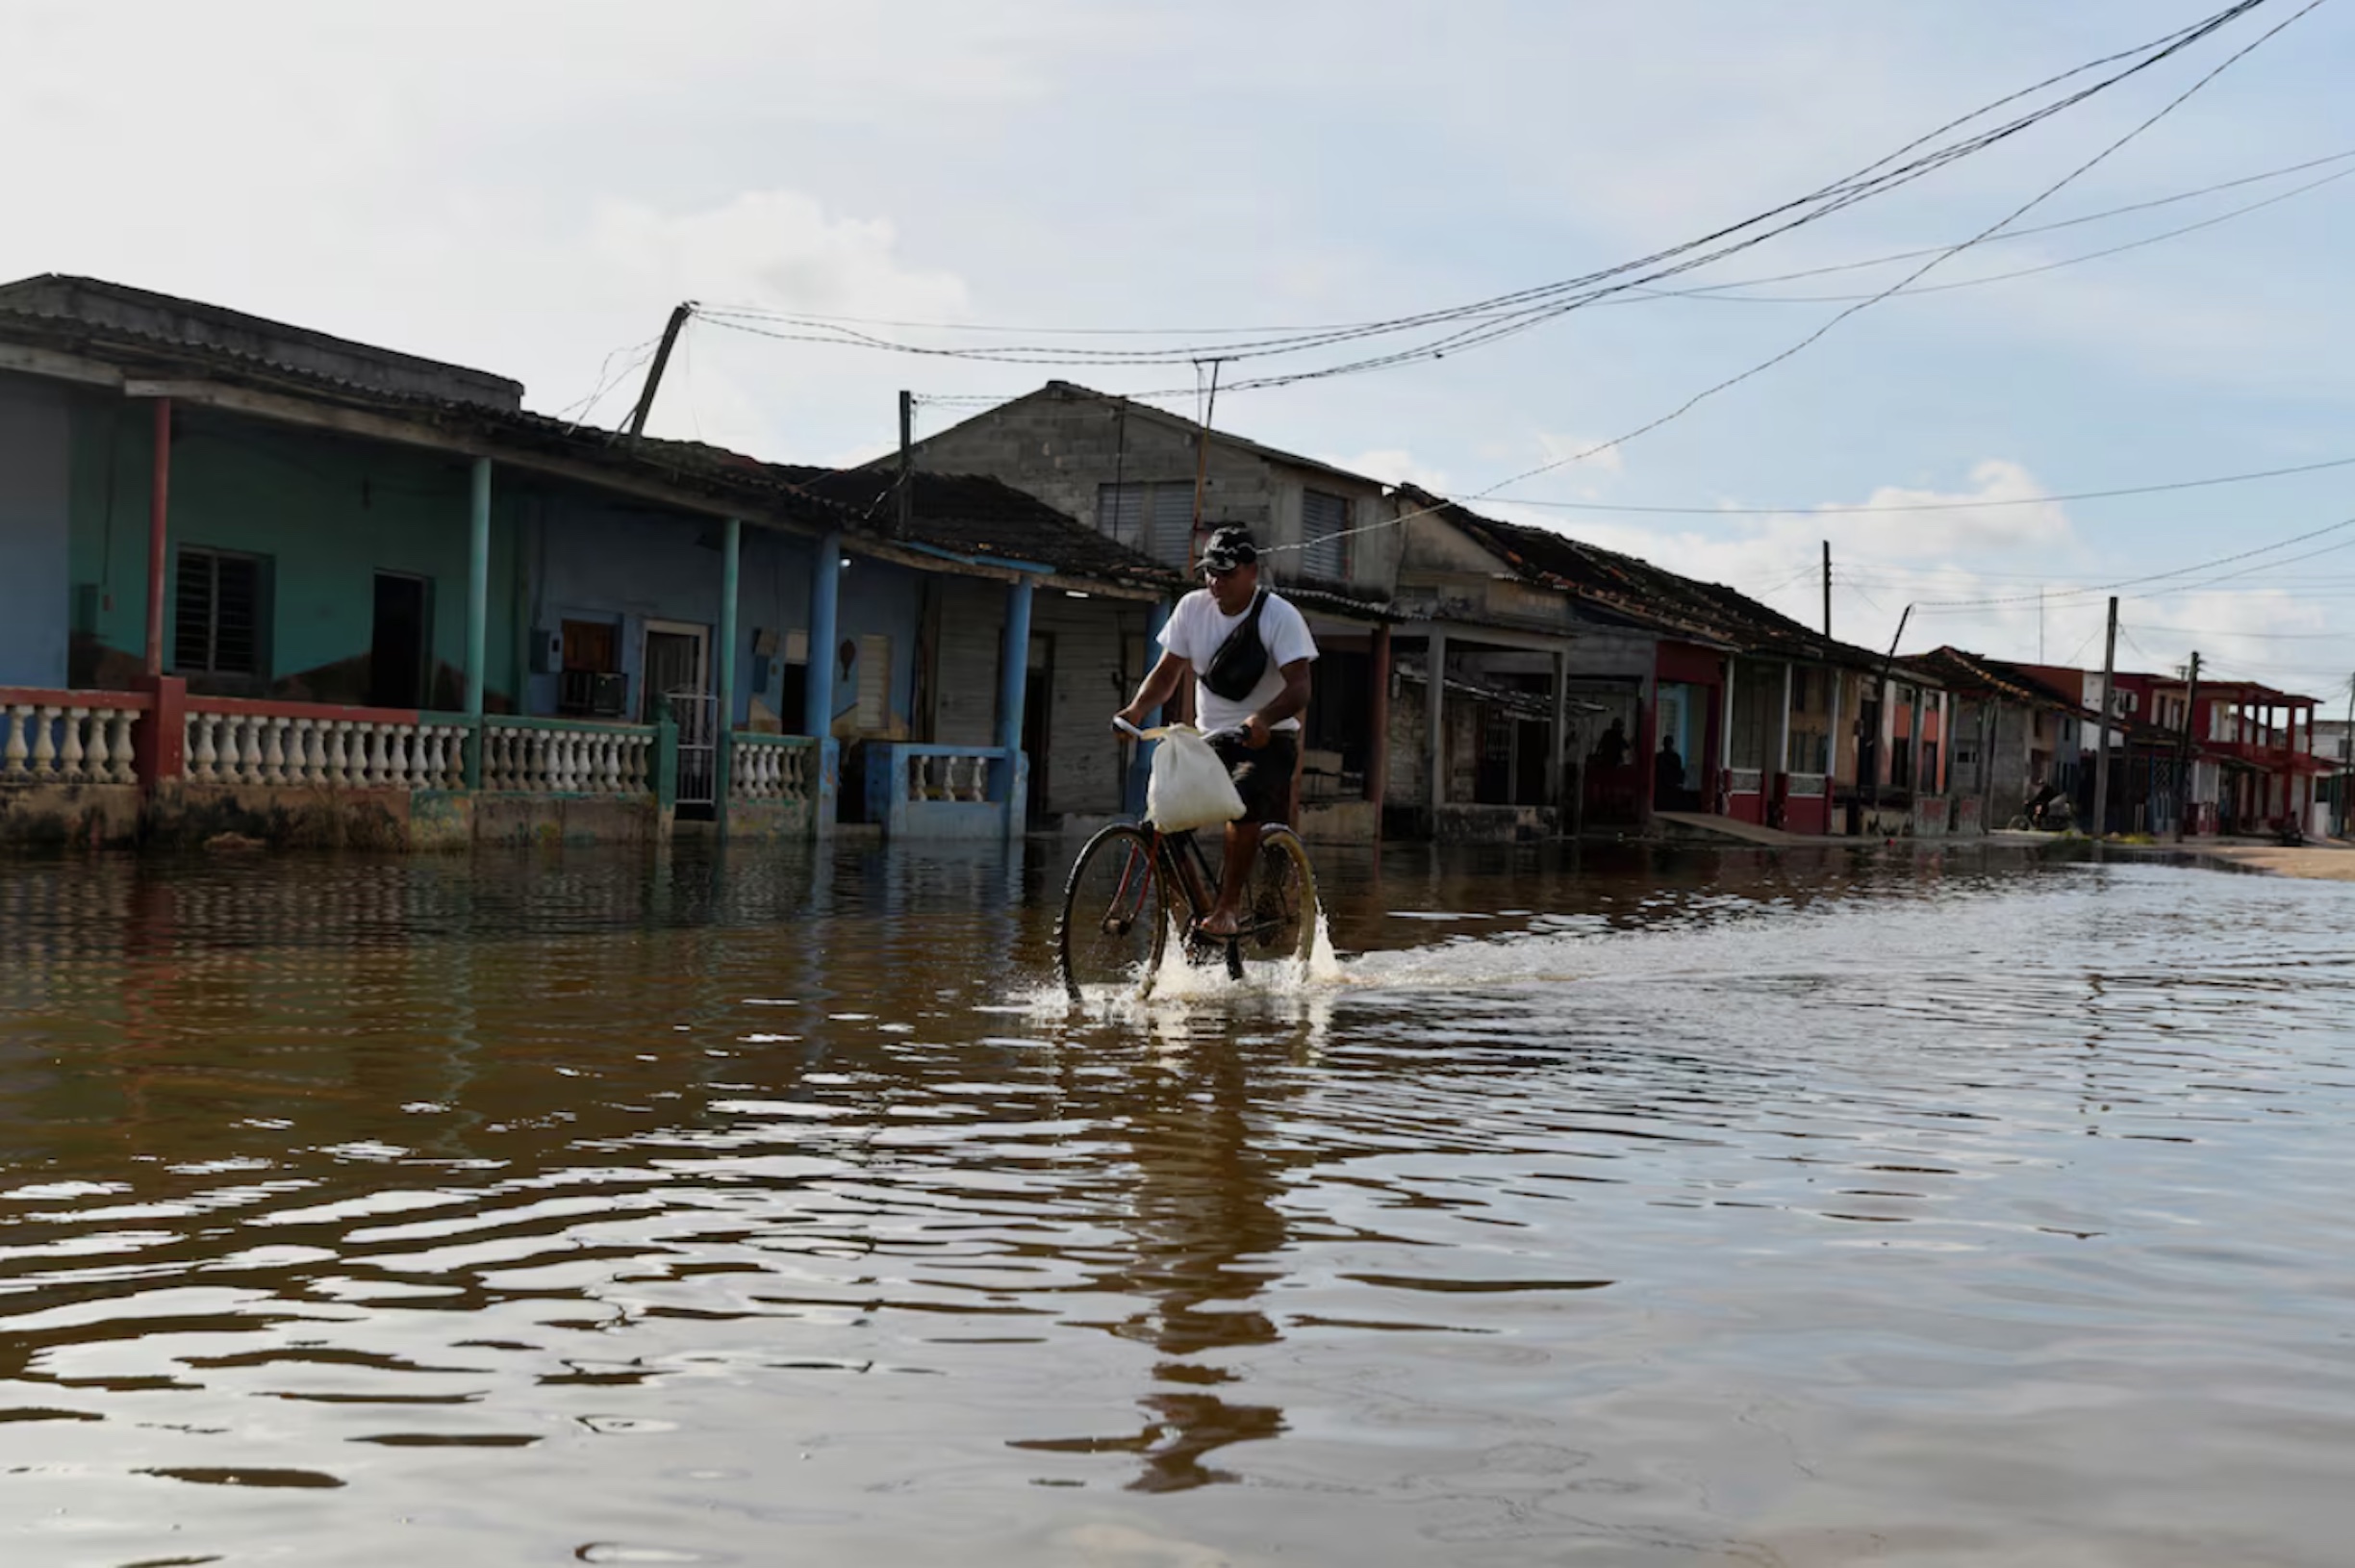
x=1930, y=605
x=2220, y=631
x=1834, y=509
x=2050, y=190
x=1512, y=313
x=1719, y=293
x=1035, y=330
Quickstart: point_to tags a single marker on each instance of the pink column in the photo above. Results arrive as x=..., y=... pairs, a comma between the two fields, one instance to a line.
x=159, y=506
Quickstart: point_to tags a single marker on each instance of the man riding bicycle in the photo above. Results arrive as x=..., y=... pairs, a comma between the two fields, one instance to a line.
x=1248, y=651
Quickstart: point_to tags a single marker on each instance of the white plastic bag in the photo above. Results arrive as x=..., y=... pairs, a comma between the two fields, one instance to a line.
x=1190, y=788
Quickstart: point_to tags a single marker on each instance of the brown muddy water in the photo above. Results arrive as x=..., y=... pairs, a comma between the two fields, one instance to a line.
x=775, y=1209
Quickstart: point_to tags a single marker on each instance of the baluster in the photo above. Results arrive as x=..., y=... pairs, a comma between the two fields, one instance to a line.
x=310, y=740
x=13, y=755
x=70, y=753
x=273, y=750
x=44, y=743
x=338, y=756
x=494, y=759
x=612, y=763
x=376, y=770
x=397, y=756
x=196, y=747
x=250, y=760
x=429, y=758
x=119, y=744
x=96, y=761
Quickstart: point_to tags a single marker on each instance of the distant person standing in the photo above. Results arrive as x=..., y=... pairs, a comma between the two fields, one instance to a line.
x=1668, y=776
x=1611, y=750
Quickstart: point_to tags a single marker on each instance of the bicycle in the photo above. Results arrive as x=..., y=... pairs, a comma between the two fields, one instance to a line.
x=1133, y=885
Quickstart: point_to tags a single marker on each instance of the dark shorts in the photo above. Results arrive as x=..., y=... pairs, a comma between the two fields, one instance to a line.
x=1263, y=779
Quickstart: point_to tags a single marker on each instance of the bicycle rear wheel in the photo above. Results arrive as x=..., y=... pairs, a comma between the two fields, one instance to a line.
x=1281, y=905
x=1115, y=913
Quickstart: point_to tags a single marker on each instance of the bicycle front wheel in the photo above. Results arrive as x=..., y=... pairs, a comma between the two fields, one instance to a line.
x=1281, y=903
x=1115, y=914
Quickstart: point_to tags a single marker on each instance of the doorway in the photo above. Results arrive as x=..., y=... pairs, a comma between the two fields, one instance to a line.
x=1038, y=724
x=674, y=670
x=396, y=648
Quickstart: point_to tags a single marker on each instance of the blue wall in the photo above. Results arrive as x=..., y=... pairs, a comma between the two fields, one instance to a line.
x=881, y=599
x=35, y=497
x=626, y=565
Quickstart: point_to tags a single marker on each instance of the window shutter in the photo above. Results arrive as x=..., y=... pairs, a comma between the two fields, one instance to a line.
x=1324, y=552
x=1173, y=525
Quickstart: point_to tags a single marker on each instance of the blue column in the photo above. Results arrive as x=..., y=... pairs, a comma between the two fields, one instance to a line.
x=1140, y=766
x=731, y=566
x=478, y=612
x=825, y=592
x=818, y=709
x=1013, y=684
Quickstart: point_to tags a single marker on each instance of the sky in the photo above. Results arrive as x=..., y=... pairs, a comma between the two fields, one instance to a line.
x=529, y=187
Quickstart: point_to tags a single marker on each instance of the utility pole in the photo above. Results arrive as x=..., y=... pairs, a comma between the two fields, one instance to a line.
x=1826, y=576
x=2039, y=622
x=654, y=371
x=907, y=464
x=1202, y=466
x=2183, y=751
x=2346, y=766
x=1881, y=707
x=2101, y=736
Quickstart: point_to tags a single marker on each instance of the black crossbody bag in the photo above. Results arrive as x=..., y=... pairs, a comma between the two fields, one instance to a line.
x=1241, y=661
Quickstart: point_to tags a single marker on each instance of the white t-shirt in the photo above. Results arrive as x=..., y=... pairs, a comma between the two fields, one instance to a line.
x=1196, y=631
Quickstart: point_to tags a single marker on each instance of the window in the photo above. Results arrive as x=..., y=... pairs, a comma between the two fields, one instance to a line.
x=1325, y=554
x=875, y=661
x=218, y=633
x=1154, y=517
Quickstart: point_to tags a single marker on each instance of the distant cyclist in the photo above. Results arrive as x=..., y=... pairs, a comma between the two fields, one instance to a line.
x=1249, y=650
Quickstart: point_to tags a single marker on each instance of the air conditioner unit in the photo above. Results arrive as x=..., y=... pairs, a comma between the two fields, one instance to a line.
x=593, y=694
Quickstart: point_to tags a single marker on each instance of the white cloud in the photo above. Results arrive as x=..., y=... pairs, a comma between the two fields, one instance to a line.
x=775, y=251
x=1394, y=465
x=1565, y=451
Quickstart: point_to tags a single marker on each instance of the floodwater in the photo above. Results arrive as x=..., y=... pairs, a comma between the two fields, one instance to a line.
x=775, y=1209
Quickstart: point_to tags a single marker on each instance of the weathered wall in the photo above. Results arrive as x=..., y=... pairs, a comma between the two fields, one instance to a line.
x=193, y=816
x=1093, y=679
x=968, y=620
x=1060, y=448
x=328, y=513
x=619, y=564
x=35, y=509
x=94, y=816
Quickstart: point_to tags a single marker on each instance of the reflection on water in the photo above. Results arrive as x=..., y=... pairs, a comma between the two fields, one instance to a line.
x=624, y=1208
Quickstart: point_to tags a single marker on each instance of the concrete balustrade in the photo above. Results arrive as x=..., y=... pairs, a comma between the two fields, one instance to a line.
x=945, y=791
x=253, y=746
x=772, y=768
x=538, y=756
x=67, y=738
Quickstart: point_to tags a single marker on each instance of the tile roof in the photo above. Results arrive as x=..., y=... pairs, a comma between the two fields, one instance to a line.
x=1648, y=595
x=975, y=514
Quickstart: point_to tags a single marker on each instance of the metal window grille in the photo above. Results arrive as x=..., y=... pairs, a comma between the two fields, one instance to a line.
x=218, y=614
